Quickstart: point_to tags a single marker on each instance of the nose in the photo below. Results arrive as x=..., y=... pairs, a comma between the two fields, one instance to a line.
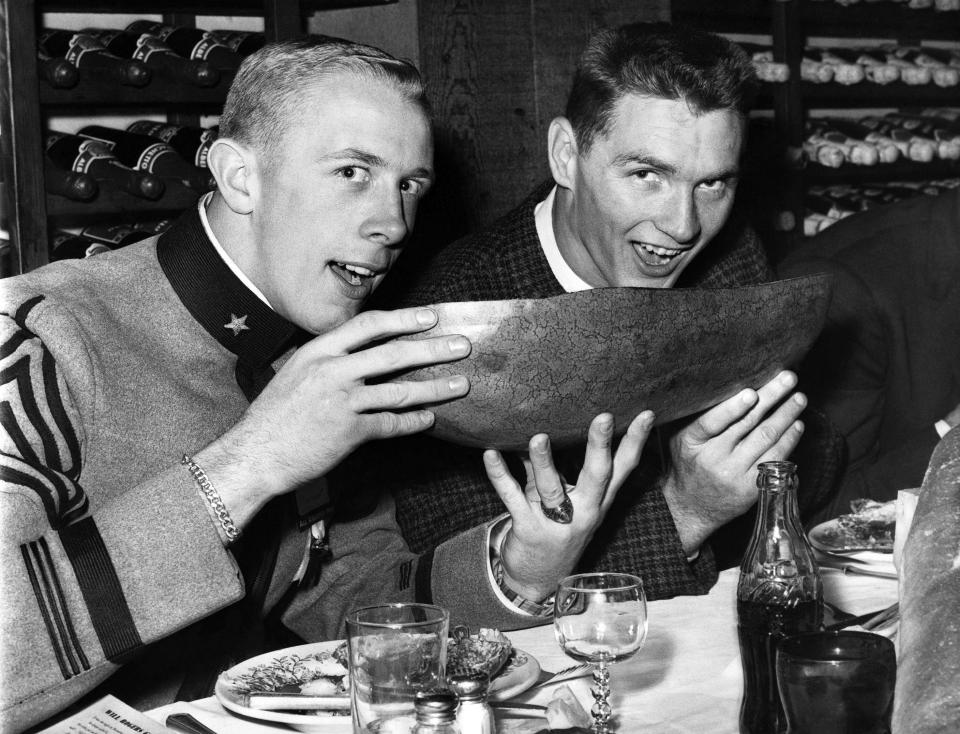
x=387, y=219
x=679, y=218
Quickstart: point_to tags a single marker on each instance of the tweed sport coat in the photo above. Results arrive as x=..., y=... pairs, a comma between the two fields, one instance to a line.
x=441, y=488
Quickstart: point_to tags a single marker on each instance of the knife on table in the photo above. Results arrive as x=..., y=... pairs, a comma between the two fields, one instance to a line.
x=274, y=701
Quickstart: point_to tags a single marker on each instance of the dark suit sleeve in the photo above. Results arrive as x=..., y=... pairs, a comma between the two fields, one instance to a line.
x=845, y=376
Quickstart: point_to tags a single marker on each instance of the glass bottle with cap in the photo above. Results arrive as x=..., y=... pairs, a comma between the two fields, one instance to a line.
x=474, y=715
x=436, y=711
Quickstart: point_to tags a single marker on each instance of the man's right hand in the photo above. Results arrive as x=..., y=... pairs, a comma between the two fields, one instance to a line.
x=318, y=408
x=713, y=474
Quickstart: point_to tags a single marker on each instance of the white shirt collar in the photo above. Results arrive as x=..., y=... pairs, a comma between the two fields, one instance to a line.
x=234, y=268
x=543, y=216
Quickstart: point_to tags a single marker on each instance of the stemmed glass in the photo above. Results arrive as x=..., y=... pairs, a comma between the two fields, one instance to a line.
x=600, y=618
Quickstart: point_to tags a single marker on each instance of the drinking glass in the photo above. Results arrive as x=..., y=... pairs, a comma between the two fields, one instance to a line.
x=600, y=618
x=395, y=650
x=838, y=682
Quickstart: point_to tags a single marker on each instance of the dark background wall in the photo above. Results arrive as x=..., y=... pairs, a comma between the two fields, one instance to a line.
x=498, y=71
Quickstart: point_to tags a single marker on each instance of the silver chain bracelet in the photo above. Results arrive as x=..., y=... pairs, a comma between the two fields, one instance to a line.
x=212, y=497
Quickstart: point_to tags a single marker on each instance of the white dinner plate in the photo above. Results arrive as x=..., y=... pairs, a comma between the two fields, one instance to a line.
x=519, y=674
x=280, y=660
x=829, y=537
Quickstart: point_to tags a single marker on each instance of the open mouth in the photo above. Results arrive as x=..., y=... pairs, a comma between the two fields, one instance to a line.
x=353, y=274
x=654, y=255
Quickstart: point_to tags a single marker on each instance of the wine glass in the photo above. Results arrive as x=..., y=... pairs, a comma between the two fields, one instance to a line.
x=600, y=618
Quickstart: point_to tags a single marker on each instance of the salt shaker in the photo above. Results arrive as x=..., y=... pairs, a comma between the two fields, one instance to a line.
x=474, y=715
x=436, y=710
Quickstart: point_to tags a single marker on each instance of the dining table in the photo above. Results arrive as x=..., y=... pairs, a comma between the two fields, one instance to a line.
x=686, y=679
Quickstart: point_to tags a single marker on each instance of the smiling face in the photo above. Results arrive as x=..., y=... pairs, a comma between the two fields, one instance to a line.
x=334, y=201
x=648, y=195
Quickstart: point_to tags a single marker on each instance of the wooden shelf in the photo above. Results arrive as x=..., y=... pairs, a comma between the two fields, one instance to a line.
x=824, y=18
x=112, y=201
x=866, y=94
x=188, y=7
x=160, y=92
x=814, y=173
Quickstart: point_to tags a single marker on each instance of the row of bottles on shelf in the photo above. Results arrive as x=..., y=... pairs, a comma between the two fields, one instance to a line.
x=142, y=160
x=94, y=240
x=826, y=205
x=924, y=136
x=883, y=64
x=132, y=56
x=937, y=5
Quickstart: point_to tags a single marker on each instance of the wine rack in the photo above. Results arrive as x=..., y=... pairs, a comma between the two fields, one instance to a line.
x=788, y=173
x=34, y=214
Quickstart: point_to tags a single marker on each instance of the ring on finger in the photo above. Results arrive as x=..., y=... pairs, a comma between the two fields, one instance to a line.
x=562, y=513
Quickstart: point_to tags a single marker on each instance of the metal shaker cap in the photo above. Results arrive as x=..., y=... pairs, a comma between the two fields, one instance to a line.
x=469, y=686
x=436, y=705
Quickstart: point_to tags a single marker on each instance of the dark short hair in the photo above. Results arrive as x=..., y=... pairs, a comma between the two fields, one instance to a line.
x=663, y=60
x=270, y=83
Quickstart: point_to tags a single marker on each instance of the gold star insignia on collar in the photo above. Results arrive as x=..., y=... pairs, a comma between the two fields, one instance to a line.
x=237, y=324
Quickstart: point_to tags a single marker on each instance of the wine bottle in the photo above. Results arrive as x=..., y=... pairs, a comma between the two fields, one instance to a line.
x=143, y=153
x=159, y=57
x=83, y=155
x=69, y=246
x=69, y=184
x=58, y=72
x=86, y=52
x=190, y=43
x=114, y=235
x=243, y=43
x=192, y=143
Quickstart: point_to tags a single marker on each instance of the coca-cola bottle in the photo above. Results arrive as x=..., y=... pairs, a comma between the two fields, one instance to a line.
x=779, y=594
x=83, y=155
x=87, y=53
x=157, y=55
x=190, y=43
x=143, y=153
x=192, y=143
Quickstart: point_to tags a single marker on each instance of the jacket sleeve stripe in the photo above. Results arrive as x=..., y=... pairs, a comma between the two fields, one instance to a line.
x=18, y=374
x=67, y=667
x=59, y=413
x=60, y=504
x=8, y=420
x=101, y=590
x=58, y=589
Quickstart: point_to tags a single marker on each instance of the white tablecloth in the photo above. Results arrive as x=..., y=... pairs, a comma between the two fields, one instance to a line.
x=686, y=679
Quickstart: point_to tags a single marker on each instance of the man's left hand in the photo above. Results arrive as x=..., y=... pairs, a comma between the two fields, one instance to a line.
x=538, y=552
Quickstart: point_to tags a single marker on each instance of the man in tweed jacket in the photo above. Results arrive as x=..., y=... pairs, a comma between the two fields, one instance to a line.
x=153, y=515
x=645, y=166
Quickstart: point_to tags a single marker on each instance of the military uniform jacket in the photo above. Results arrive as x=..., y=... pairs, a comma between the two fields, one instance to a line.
x=106, y=380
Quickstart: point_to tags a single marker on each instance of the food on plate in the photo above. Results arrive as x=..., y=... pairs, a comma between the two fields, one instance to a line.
x=870, y=525
x=321, y=673
x=485, y=652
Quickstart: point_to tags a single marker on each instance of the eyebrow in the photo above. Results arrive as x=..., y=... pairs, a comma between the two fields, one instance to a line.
x=639, y=159
x=371, y=159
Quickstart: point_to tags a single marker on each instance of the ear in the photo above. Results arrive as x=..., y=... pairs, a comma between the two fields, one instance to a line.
x=234, y=167
x=562, y=151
